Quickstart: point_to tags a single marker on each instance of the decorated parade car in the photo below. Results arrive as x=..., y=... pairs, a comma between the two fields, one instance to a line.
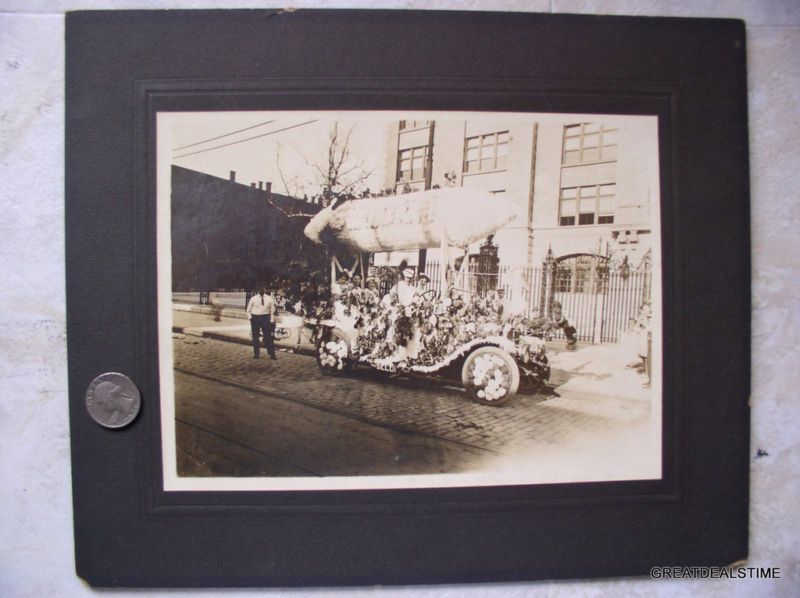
x=412, y=330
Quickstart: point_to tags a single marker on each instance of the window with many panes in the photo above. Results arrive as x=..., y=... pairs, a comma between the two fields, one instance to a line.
x=581, y=274
x=589, y=204
x=486, y=152
x=413, y=124
x=563, y=281
x=589, y=142
x=411, y=163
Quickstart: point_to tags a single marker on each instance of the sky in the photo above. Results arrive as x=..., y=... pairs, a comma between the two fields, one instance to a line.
x=277, y=147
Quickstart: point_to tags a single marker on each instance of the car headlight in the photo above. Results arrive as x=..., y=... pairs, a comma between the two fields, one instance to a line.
x=532, y=344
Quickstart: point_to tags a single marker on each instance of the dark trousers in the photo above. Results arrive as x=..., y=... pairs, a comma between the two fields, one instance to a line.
x=262, y=325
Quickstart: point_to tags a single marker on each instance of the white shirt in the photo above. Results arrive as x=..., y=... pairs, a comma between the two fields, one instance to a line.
x=261, y=305
x=405, y=292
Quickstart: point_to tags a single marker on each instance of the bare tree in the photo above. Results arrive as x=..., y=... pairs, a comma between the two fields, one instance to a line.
x=295, y=190
x=340, y=176
x=335, y=175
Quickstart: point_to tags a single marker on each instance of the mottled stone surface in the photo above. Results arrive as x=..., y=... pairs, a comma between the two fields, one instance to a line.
x=36, y=557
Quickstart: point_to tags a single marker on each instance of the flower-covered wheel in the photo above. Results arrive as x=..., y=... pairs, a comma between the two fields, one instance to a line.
x=490, y=375
x=333, y=354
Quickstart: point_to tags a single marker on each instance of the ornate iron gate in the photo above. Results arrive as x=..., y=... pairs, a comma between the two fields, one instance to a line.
x=598, y=296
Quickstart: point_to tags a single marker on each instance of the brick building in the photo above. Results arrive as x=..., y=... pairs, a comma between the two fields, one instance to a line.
x=230, y=236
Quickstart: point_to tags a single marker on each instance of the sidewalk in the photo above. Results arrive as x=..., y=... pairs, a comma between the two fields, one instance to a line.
x=233, y=326
x=590, y=369
x=598, y=369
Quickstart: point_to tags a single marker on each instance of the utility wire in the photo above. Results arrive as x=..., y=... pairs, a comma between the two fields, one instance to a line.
x=221, y=136
x=248, y=139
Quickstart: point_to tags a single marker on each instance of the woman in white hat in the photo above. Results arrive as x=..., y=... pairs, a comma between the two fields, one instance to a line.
x=405, y=287
x=423, y=284
x=403, y=291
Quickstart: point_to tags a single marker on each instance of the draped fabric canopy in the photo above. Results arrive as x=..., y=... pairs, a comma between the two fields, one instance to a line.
x=419, y=220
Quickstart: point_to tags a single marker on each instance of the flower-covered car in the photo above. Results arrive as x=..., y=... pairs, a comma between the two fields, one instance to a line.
x=460, y=336
x=412, y=331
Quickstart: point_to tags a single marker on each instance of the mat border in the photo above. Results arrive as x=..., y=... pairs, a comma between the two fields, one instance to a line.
x=167, y=538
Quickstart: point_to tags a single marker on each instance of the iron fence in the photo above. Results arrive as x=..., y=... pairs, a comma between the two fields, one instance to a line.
x=221, y=299
x=598, y=299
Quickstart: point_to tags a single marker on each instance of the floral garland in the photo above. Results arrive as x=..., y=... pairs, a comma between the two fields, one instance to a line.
x=440, y=325
x=332, y=354
x=404, y=327
x=435, y=327
x=357, y=300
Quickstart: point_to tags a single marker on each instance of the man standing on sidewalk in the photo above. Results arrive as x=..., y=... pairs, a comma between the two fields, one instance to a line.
x=261, y=310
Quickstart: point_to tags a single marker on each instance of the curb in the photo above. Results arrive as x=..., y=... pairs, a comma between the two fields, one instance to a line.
x=207, y=310
x=246, y=341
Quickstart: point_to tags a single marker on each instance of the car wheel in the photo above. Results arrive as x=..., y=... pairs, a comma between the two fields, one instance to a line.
x=490, y=376
x=333, y=354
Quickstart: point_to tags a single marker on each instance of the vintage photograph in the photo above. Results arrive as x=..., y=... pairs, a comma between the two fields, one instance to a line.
x=355, y=300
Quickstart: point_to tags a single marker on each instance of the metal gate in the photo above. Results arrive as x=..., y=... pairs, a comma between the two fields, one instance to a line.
x=600, y=298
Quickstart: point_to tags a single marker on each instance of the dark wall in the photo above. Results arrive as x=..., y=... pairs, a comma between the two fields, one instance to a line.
x=226, y=235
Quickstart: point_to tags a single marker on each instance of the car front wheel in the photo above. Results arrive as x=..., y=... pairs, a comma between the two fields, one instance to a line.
x=490, y=376
x=333, y=354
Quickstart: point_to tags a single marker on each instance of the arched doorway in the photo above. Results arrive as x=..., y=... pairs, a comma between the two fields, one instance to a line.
x=598, y=295
x=578, y=284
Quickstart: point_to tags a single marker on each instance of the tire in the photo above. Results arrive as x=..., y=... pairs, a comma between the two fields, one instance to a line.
x=337, y=336
x=499, y=359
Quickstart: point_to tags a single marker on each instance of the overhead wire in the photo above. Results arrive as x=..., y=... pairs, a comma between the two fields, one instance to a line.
x=248, y=139
x=223, y=135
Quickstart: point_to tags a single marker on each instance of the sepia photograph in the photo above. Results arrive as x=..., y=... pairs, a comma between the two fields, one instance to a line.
x=359, y=300
x=406, y=299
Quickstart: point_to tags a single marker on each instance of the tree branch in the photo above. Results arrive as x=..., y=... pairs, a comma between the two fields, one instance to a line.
x=287, y=214
x=280, y=172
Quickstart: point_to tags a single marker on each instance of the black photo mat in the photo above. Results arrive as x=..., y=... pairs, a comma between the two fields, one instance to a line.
x=125, y=67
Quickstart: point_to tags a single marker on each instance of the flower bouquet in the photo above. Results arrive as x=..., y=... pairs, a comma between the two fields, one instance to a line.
x=490, y=377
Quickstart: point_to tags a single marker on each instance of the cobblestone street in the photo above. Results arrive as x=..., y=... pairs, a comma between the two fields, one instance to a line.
x=423, y=408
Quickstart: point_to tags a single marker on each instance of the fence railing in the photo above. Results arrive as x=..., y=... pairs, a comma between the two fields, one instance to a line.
x=186, y=297
x=600, y=304
x=223, y=299
x=621, y=303
x=231, y=299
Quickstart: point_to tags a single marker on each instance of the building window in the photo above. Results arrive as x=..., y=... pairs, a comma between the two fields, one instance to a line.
x=486, y=152
x=406, y=125
x=581, y=274
x=563, y=282
x=588, y=142
x=592, y=204
x=411, y=163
